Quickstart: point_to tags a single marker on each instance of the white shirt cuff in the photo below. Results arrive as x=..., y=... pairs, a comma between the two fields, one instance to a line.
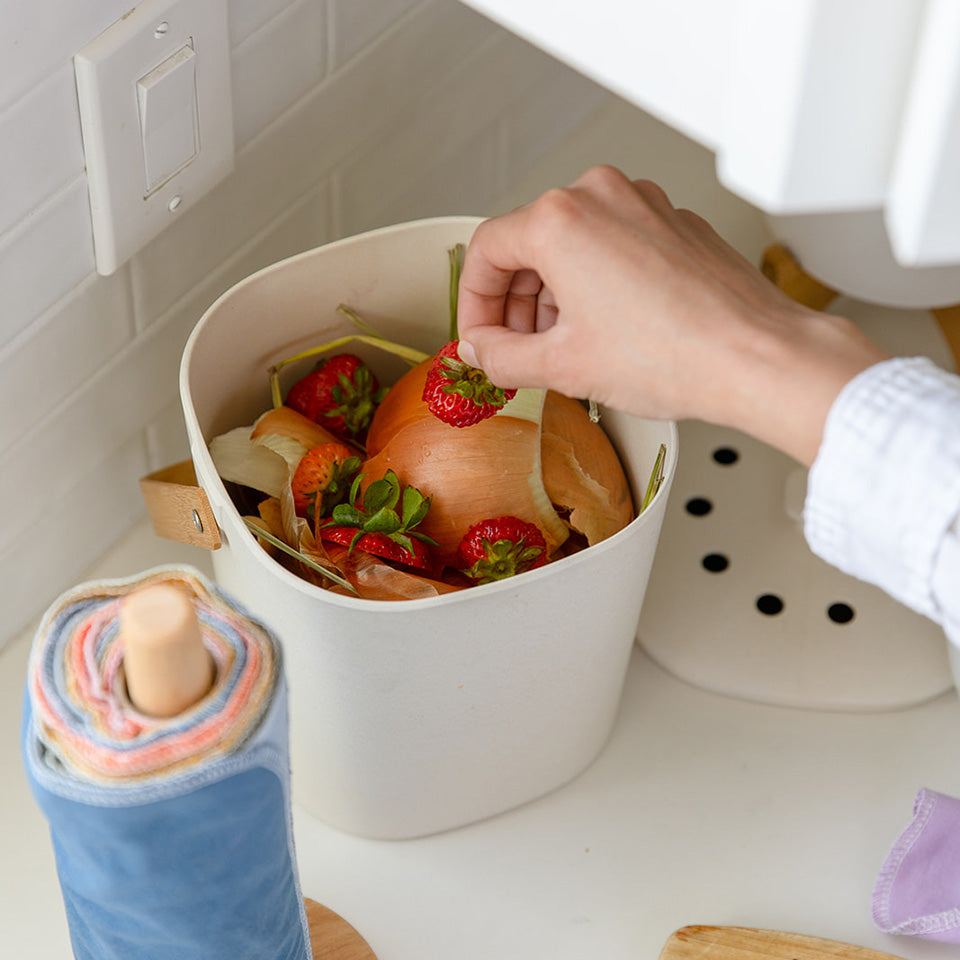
x=885, y=486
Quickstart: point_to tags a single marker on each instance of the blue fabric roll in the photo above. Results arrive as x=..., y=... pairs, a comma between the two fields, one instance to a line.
x=188, y=858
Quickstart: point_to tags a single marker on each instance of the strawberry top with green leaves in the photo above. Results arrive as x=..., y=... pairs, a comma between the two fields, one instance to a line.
x=501, y=547
x=383, y=523
x=341, y=393
x=459, y=394
x=322, y=479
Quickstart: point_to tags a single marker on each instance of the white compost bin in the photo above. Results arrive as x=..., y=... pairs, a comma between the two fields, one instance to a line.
x=412, y=717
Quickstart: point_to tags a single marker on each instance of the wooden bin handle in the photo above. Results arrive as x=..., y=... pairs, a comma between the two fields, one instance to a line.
x=178, y=506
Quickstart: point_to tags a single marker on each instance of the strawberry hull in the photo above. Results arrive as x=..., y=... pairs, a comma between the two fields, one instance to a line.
x=412, y=717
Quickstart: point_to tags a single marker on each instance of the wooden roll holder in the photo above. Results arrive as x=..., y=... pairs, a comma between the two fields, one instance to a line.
x=168, y=670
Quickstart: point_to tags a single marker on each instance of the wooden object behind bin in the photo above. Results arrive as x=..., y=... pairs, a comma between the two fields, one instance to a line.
x=781, y=267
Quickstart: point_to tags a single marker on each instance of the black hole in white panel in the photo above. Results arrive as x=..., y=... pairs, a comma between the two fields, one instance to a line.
x=698, y=506
x=769, y=604
x=715, y=562
x=725, y=456
x=840, y=612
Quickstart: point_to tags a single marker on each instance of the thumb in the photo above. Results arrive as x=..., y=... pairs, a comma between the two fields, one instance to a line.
x=509, y=358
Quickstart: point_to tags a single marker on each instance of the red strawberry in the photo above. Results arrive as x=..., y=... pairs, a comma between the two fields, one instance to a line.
x=459, y=394
x=340, y=393
x=381, y=545
x=376, y=527
x=323, y=474
x=500, y=547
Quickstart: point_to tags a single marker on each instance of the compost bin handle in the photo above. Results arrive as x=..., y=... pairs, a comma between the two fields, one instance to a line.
x=178, y=506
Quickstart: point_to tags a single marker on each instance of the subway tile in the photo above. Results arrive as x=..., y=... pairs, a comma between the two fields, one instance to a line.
x=61, y=350
x=69, y=534
x=276, y=66
x=464, y=182
x=546, y=113
x=43, y=149
x=38, y=39
x=473, y=97
x=44, y=257
x=344, y=115
x=90, y=425
x=248, y=16
x=135, y=387
x=167, y=438
x=355, y=23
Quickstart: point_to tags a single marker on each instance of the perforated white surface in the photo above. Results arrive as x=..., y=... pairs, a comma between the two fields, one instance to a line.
x=702, y=618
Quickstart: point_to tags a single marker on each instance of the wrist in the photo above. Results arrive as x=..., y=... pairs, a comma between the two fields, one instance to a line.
x=793, y=373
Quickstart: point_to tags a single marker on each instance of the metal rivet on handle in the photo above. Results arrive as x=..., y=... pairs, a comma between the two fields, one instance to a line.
x=197, y=522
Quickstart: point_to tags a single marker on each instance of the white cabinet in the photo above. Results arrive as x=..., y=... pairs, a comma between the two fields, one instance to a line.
x=813, y=107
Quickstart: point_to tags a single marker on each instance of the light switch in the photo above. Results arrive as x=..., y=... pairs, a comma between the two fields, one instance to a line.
x=157, y=120
x=167, y=97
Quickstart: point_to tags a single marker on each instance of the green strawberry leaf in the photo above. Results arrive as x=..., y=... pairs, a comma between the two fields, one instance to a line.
x=415, y=507
x=355, y=488
x=382, y=494
x=384, y=520
x=423, y=537
x=347, y=515
x=404, y=541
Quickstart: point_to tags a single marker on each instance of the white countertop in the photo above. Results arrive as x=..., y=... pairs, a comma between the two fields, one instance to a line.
x=701, y=809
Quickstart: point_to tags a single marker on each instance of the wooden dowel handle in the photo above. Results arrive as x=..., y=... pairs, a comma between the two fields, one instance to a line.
x=167, y=667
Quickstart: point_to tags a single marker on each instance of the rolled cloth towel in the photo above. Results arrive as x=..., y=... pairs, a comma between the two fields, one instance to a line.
x=173, y=837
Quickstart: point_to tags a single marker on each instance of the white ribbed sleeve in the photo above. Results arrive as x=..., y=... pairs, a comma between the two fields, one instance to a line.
x=883, y=496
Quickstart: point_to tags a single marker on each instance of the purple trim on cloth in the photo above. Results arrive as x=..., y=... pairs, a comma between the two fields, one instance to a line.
x=917, y=891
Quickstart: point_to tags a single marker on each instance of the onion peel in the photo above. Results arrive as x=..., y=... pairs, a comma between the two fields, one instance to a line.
x=581, y=470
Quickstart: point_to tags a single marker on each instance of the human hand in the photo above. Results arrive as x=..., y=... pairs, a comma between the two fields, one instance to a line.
x=603, y=290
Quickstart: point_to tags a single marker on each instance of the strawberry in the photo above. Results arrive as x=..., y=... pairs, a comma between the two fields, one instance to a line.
x=500, y=547
x=376, y=527
x=340, y=393
x=459, y=394
x=323, y=477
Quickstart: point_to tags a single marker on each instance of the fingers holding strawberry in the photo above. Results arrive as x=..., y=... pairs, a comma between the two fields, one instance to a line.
x=458, y=393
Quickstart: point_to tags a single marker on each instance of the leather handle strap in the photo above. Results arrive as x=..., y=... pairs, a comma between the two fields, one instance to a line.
x=178, y=506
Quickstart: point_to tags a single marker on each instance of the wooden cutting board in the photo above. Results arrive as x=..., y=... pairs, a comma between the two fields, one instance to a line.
x=746, y=943
x=332, y=938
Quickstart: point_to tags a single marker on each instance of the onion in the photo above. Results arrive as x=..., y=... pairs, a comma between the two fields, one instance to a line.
x=510, y=464
x=490, y=469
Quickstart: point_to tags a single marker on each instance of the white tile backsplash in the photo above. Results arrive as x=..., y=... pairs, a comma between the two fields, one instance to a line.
x=62, y=350
x=276, y=66
x=355, y=23
x=378, y=110
x=71, y=532
x=247, y=16
x=38, y=39
x=550, y=108
x=44, y=256
x=42, y=148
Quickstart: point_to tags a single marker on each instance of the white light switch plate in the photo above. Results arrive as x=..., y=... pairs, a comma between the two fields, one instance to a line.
x=127, y=210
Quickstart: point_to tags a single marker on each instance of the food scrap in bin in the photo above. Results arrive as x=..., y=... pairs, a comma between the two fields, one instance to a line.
x=440, y=482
